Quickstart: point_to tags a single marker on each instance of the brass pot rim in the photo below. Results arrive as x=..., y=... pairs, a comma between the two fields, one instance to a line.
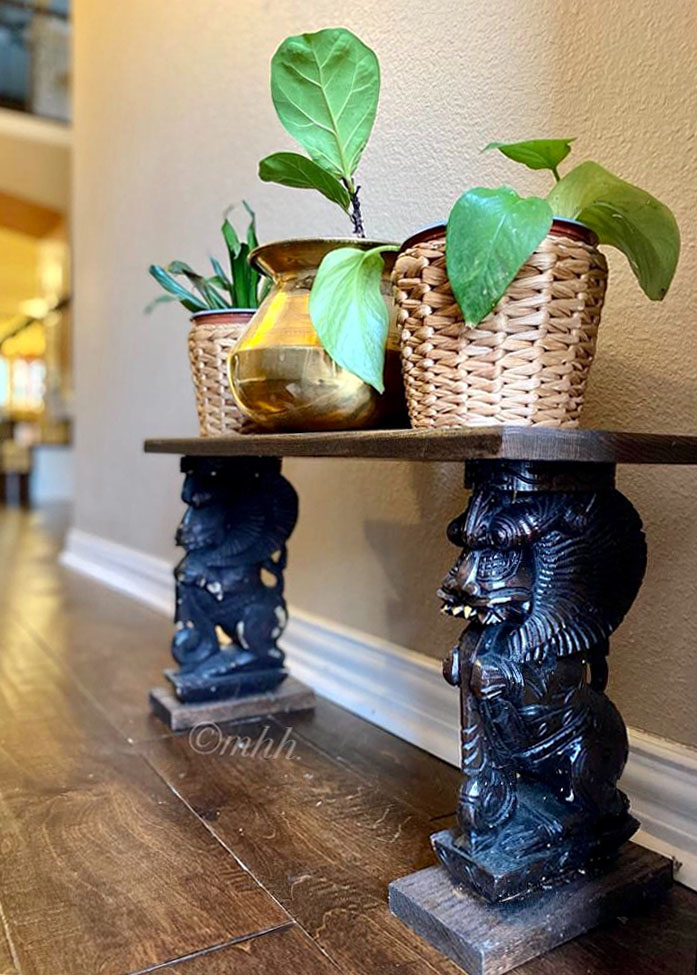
x=297, y=253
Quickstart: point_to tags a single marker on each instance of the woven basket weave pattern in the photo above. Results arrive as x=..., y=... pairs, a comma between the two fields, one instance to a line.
x=210, y=343
x=526, y=363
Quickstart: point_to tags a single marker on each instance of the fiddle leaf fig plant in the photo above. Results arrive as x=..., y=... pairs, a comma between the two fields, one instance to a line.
x=325, y=89
x=491, y=233
x=292, y=169
x=243, y=287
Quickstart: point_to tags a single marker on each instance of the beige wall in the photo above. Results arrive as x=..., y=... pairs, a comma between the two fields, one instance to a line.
x=172, y=113
x=34, y=160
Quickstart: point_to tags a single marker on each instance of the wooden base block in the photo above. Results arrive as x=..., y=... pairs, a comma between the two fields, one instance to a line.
x=291, y=695
x=489, y=939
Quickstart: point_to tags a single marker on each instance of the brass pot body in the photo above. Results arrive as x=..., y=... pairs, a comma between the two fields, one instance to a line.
x=280, y=375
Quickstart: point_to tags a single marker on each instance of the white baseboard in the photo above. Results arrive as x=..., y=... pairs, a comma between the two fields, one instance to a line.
x=404, y=692
x=144, y=577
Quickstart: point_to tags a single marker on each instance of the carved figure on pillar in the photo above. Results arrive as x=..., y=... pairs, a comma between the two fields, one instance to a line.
x=552, y=558
x=230, y=607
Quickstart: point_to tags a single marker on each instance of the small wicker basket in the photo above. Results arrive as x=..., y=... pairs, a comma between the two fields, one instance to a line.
x=527, y=362
x=211, y=337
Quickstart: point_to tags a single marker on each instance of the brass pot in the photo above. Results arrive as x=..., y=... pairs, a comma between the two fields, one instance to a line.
x=279, y=373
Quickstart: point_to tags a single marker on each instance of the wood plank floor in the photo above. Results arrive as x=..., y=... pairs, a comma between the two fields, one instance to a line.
x=126, y=849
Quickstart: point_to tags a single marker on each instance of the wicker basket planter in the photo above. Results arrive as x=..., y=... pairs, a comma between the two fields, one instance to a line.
x=527, y=362
x=211, y=337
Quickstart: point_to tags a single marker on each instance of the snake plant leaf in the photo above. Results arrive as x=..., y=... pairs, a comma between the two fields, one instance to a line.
x=210, y=295
x=241, y=279
x=349, y=312
x=217, y=269
x=160, y=300
x=626, y=217
x=252, y=240
x=231, y=238
x=325, y=88
x=535, y=153
x=292, y=169
x=220, y=279
x=165, y=280
x=490, y=235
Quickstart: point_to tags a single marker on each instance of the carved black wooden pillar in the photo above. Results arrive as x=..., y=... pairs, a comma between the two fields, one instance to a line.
x=552, y=558
x=230, y=606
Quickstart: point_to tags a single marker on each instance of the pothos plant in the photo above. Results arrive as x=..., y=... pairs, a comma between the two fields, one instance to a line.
x=243, y=287
x=492, y=232
x=325, y=88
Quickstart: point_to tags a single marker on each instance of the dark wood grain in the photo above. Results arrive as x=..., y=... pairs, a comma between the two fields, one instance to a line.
x=113, y=647
x=404, y=771
x=285, y=951
x=506, y=442
x=659, y=940
x=320, y=838
x=103, y=868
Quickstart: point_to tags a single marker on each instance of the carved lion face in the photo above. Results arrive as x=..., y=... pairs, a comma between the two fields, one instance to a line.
x=560, y=568
x=491, y=580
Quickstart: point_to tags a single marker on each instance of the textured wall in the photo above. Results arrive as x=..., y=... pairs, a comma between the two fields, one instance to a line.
x=172, y=114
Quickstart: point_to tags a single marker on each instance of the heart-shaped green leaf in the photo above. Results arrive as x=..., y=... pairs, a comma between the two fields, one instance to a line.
x=325, y=88
x=292, y=169
x=349, y=312
x=626, y=217
x=535, y=153
x=490, y=234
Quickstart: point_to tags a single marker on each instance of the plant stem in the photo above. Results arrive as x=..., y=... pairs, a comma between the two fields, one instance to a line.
x=355, y=214
x=555, y=171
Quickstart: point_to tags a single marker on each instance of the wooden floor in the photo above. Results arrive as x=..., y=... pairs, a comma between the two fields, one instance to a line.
x=125, y=849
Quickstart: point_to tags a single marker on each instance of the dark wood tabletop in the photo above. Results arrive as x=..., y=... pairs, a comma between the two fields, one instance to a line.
x=499, y=442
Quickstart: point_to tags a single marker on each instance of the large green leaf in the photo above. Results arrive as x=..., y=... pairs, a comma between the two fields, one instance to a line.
x=626, y=217
x=490, y=234
x=325, y=88
x=349, y=312
x=292, y=169
x=535, y=153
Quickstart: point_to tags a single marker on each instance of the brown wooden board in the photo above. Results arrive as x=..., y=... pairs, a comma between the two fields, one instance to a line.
x=659, y=940
x=291, y=696
x=408, y=773
x=103, y=867
x=112, y=646
x=491, y=939
x=502, y=442
x=321, y=839
x=285, y=951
